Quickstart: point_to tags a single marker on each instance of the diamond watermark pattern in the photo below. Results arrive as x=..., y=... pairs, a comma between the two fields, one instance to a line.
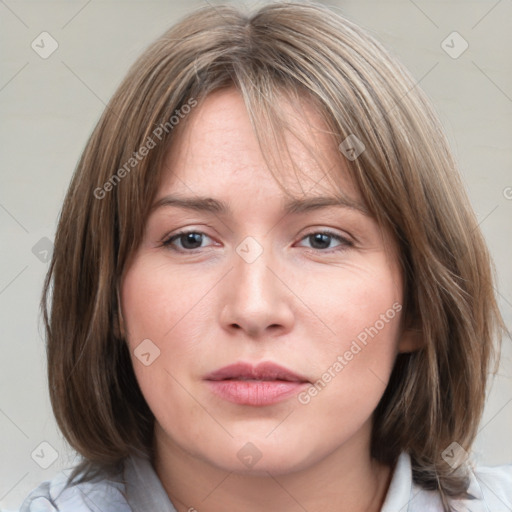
x=454, y=45
x=43, y=249
x=455, y=455
x=352, y=147
x=44, y=455
x=249, y=249
x=249, y=455
x=44, y=45
x=147, y=352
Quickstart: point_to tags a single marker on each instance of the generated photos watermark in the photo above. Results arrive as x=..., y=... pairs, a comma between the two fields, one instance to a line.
x=344, y=359
x=156, y=136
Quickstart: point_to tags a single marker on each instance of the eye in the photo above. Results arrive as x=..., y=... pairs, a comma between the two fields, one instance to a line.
x=321, y=240
x=189, y=240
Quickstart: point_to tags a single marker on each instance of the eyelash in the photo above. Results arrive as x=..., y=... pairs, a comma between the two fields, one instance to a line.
x=345, y=243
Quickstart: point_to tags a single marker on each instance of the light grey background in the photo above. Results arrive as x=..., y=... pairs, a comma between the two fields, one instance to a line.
x=49, y=107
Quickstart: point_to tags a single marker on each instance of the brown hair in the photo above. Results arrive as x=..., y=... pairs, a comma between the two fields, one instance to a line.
x=406, y=176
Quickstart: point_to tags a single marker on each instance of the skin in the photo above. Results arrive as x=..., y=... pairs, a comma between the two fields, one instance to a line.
x=299, y=304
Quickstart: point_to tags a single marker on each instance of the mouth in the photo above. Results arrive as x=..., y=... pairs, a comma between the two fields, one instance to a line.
x=266, y=371
x=264, y=384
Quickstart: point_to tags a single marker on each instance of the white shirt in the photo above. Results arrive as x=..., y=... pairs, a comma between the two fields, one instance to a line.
x=139, y=490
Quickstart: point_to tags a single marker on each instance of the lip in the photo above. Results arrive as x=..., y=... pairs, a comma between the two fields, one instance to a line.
x=265, y=370
x=264, y=384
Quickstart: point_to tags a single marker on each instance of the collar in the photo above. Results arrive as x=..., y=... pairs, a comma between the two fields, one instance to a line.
x=404, y=495
x=144, y=490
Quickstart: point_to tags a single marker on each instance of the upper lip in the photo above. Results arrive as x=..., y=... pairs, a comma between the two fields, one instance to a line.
x=262, y=371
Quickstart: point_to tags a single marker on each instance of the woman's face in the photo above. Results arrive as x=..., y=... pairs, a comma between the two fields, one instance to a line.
x=255, y=282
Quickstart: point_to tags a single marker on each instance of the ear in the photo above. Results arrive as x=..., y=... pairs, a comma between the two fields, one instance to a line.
x=411, y=340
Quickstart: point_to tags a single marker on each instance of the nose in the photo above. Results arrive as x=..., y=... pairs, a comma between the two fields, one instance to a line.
x=256, y=298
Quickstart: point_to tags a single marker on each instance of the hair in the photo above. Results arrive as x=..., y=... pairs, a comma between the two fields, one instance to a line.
x=406, y=176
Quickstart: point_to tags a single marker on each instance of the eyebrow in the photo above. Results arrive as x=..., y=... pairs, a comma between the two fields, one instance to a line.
x=292, y=206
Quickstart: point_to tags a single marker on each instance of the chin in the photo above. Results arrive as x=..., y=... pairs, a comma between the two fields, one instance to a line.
x=260, y=456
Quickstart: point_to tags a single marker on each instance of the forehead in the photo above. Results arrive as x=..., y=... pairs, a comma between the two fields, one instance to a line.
x=217, y=151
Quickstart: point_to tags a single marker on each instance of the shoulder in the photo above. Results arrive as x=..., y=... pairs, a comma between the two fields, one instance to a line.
x=61, y=495
x=493, y=484
x=490, y=489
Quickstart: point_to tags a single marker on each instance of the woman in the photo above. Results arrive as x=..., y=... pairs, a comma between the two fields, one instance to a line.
x=268, y=290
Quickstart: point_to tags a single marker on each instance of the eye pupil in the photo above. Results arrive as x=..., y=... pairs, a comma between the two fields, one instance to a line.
x=191, y=240
x=321, y=240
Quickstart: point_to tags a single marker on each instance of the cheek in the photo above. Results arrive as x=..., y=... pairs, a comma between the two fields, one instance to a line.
x=157, y=302
x=353, y=363
x=165, y=315
x=358, y=300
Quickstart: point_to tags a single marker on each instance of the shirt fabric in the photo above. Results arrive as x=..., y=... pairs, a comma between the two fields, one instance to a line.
x=138, y=489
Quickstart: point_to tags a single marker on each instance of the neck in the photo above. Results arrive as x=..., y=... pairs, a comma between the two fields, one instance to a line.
x=347, y=480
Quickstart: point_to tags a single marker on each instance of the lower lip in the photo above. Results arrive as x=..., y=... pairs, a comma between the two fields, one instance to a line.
x=263, y=392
